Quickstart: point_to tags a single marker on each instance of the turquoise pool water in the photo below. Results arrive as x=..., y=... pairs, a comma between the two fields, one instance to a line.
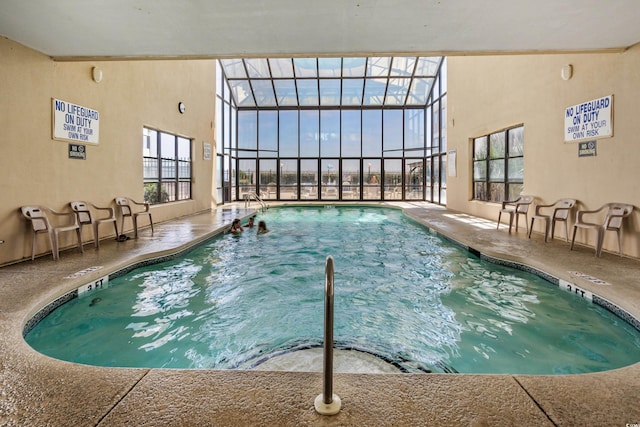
x=401, y=293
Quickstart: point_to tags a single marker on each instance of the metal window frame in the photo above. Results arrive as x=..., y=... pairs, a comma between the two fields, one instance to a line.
x=431, y=150
x=160, y=180
x=507, y=156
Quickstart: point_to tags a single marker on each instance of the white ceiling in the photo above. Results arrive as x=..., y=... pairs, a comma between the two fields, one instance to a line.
x=83, y=29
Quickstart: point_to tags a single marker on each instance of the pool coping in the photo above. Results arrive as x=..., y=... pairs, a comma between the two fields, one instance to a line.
x=171, y=254
x=547, y=399
x=570, y=286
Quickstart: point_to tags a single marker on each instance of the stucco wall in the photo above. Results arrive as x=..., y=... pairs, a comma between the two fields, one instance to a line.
x=36, y=169
x=489, y=93
x=485, y=94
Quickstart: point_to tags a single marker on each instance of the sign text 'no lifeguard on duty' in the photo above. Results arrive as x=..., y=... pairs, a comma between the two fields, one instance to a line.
x=72, y=122
x=589, y=120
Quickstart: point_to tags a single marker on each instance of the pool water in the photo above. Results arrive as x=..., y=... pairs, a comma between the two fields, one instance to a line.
x=401, y=293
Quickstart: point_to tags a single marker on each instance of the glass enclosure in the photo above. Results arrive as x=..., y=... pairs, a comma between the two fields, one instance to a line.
x=332, y=128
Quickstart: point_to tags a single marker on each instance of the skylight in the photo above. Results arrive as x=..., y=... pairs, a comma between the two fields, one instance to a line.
x=403, y=81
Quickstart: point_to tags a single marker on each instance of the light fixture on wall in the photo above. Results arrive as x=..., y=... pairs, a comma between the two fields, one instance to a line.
x=96, y=74
x=566, y=72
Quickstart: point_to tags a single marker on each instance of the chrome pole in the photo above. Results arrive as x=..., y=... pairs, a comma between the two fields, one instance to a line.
x=328, y=331
x=328, y=403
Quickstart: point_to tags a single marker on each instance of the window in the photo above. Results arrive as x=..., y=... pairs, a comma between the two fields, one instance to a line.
x=268, y=133
x=336, y=128
x=288, y=134
x=309, y=133
x=351, y=133
x=498, y=165
x=167, y=167
x=247, y=133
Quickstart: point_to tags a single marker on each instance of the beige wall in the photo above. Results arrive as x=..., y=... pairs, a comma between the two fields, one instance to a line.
x=485, y=94
x=490, y=93
x=35, y=169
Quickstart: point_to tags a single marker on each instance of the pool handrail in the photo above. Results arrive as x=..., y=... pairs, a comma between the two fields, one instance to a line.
x=254, y=196
x=327, y=403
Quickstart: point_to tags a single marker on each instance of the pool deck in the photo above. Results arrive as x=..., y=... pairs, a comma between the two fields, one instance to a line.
x=36, y=390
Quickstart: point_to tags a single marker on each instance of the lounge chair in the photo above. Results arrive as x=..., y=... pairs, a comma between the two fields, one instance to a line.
x=126, y=211
x=615, y=213
x=85, y=217
x=40, y=223
x=559, y=211
x=519, y=206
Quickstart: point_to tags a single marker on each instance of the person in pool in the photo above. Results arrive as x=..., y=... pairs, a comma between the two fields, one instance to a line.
x=251, y=222
x=262, y=227
x=236, y=228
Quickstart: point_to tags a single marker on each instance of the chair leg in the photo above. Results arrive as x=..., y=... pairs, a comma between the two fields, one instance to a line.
x=619, y=242
x=499, y=215
x=96, y=240
x=151, y=221
x=134, y=218
x=511, y=221
x=553, y=227
x=517, y=216
x=546, y=230
x=526, y=222
x=79, y=234
x=121, y=227
x=33, y=246
x=531, y=228
x=566, y=232
x=573, y=239
x=115, y=226
x=54, y=245
x=599, y=242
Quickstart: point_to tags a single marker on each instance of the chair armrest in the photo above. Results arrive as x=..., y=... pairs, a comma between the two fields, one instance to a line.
x=100, y=208
x=110, y=210
x=72, y=215
x=582, y=213
x=540, y=207
x=145, y=204
x=509, y=202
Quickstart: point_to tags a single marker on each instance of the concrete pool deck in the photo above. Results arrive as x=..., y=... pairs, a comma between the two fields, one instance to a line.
x=36, y=390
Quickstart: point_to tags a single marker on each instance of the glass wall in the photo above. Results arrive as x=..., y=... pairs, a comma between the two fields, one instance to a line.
x=226, y=118
x=353, y=151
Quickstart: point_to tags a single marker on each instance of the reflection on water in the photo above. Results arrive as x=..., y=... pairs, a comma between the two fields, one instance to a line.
x=164, y=299
x=505, y=295
x=401, y=293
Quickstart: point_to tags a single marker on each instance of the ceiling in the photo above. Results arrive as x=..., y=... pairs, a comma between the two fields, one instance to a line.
x=120, y=29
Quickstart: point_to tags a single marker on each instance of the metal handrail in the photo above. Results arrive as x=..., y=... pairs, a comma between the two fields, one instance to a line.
x=249, y=196
x=328, y=403
x=328, y=331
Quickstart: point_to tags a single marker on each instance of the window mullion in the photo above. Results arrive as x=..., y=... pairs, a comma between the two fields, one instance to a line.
x=506, y=165
x=177, y=169
x=159, y=151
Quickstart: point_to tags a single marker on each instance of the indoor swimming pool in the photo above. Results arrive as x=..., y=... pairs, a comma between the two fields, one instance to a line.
x=402, y=294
